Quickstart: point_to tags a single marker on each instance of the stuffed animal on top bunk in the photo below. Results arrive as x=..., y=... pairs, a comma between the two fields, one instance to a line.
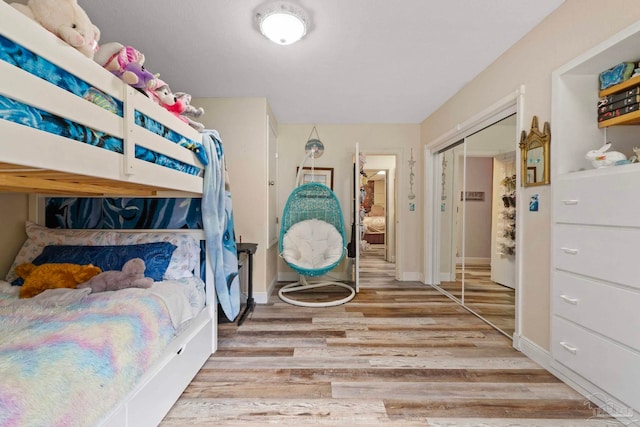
x=180, y=106
x=38, y=278
x=125, y=62
x=131, y=276
x=67, y=20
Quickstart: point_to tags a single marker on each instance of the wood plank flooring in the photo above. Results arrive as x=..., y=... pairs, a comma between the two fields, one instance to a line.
x=492, y=301
x=399, y=354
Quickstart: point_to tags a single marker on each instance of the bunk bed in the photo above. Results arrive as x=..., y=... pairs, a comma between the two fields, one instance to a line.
x=69, y=127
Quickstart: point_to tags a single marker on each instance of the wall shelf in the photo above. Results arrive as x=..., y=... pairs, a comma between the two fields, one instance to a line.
x=632, y=118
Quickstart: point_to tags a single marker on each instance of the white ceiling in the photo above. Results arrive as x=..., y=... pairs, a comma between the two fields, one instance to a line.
x=363, y=61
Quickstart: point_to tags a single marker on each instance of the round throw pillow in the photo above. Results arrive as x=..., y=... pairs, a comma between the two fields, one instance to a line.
x=312, y=244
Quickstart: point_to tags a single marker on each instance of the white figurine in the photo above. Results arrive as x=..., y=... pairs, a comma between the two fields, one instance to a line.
x=600, y=158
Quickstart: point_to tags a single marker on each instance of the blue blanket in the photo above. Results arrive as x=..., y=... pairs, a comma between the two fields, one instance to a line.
x=217, y=219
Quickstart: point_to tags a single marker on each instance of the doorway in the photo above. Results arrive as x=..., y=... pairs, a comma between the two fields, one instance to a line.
x=378, y=206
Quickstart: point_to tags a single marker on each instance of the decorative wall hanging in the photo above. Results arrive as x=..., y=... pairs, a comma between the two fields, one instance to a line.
x=411, y=177
x=534, y=149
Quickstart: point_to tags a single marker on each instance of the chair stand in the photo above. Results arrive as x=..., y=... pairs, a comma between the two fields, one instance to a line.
x=304, y=285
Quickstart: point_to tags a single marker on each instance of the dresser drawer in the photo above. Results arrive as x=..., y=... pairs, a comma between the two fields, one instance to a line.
x=604, y=253
x=613, y=368
x=600, y=197
x=582, y=301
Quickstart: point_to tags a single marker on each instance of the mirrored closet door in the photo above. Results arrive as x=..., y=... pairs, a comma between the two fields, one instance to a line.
x=477, y=223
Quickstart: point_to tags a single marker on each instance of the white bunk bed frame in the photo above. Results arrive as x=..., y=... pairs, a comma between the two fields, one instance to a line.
x=38, y=162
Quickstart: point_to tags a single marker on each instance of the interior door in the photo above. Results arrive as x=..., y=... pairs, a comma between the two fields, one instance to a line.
x=357, y=220
x=272, y=184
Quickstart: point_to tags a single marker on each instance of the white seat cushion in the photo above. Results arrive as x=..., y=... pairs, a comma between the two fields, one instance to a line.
x=312, y=244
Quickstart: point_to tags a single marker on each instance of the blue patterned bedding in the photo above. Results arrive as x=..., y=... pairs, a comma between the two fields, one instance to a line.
x=27, y=115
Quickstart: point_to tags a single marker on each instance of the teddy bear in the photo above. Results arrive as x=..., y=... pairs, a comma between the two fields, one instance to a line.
x=161, y=94
x=125, y=62
x=39, y=278
x=131, y=276
x=67, y=20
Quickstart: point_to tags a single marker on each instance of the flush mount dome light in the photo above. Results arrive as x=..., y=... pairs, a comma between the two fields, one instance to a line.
x=282, y=23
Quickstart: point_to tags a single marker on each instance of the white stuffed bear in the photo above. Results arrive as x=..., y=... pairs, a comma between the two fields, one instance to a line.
x=67, y=20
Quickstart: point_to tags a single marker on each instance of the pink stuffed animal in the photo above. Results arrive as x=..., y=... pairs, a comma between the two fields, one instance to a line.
x=131, y=276
x=161, y=93
x=124, y=62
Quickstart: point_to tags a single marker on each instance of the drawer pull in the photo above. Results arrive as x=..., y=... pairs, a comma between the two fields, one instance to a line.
x=570, y=201
x=571, y=349
x=570, y=300
x=570, y=251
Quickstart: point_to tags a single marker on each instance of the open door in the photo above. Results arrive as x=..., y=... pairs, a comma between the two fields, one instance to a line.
x=357, y=219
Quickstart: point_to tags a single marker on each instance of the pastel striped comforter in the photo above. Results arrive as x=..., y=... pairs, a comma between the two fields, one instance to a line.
x=70, y=364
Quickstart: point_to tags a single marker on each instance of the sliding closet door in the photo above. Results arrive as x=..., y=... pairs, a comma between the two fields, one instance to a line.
x=490, y=206
x=477, y=208
x=451, y=165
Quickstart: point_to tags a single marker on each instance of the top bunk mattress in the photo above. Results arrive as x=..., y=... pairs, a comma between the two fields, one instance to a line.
x=68, y=126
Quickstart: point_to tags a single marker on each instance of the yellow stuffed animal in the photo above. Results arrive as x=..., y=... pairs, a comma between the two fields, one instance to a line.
x=51, y=276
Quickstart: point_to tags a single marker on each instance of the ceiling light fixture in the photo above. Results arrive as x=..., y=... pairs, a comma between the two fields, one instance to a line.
x=283, y=23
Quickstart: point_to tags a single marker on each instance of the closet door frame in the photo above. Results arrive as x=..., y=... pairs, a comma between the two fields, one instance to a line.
x=507, y=106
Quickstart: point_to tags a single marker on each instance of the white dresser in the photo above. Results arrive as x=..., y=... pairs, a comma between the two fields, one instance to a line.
x=595, y=253
x=596, y=279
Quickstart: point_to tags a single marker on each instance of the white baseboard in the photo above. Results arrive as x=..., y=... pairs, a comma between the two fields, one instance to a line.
x=445, y=277
x=626, y=415
x=533, y=351
x=604, y=401
x=412, y=276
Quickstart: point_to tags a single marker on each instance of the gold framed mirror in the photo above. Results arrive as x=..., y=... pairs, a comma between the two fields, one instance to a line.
x=534, y=149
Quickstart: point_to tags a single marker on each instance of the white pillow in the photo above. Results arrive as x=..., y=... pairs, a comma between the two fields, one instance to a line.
x=312, y=244
x=183, y=260
x=38, y=237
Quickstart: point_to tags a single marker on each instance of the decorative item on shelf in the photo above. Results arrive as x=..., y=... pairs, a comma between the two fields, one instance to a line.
x=617, y=74
x=601, y=158
x=411, y=176
x=534, y=148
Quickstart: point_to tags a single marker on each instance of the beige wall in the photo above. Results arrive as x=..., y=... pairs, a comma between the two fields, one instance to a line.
x=13, y=214
x=573, y=28
x=339, y=143
x=242, y=124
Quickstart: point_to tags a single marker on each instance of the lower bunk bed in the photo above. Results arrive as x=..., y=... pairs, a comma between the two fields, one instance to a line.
x=70, y=357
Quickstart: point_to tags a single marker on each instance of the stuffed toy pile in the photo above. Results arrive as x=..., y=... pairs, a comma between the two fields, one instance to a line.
x=39, y=278
x=67, y=20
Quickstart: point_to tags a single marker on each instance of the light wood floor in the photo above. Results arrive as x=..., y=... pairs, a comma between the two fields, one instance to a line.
x=492, y=301
x=399, y=354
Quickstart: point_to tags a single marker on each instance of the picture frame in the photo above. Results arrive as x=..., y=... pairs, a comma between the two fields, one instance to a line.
x=320, y=175
x=472, y=196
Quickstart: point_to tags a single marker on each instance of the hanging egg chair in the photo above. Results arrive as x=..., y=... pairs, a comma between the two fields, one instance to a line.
x=312, y=237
